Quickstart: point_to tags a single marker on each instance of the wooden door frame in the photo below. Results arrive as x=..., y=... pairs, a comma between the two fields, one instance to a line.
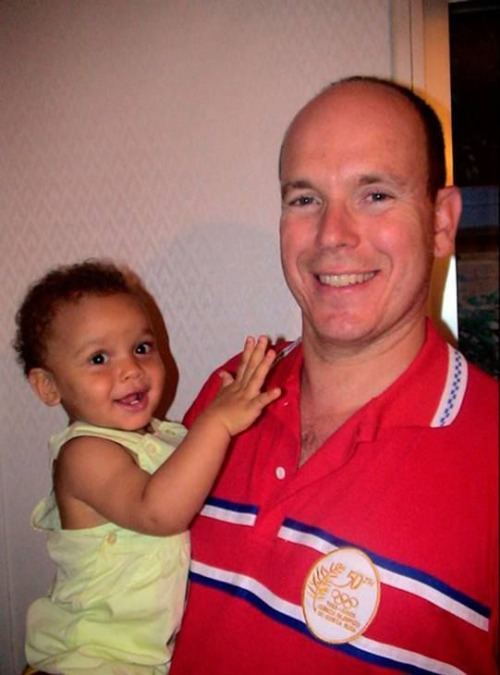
x=421, y=60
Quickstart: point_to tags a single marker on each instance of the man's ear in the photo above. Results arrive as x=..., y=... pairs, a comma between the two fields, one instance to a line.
x=446, y=217
x=43, y=385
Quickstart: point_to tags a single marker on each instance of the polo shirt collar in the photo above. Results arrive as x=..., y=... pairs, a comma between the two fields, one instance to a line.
x=431, y=390
x=428, y=394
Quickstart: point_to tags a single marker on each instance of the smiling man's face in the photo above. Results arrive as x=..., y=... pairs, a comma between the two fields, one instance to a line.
x=357, y=224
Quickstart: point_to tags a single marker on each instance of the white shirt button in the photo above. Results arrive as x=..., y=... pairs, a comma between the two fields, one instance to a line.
x=280, y=472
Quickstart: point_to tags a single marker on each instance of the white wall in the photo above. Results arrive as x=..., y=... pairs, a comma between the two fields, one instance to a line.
x=149, y=132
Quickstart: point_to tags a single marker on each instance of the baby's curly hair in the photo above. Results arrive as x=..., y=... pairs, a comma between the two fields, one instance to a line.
x=67, y=283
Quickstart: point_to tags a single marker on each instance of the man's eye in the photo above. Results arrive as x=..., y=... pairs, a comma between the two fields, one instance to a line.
x=378, y=197
x=99, y=359
x=302, y=200
x=144, y=348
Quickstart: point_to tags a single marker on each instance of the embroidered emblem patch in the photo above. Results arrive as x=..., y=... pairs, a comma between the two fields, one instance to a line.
x=341, y=595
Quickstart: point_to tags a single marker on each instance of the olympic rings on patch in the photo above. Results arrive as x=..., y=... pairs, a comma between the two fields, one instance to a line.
x=343, y=600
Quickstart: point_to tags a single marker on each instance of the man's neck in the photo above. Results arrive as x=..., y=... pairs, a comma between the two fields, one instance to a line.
x=336, y=383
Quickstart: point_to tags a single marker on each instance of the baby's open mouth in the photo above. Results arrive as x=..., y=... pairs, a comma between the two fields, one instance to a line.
x=133, y=399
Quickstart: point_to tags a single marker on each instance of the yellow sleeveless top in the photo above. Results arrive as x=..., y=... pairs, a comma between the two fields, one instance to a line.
x=118, y=596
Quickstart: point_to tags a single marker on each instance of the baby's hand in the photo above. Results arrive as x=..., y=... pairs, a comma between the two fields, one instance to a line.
x=240, y=400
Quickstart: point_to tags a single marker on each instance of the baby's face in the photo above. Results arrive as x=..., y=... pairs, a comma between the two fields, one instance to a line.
x=103, y=359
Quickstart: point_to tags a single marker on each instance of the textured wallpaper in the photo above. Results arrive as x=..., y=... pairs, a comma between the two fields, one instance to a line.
x=149, y=132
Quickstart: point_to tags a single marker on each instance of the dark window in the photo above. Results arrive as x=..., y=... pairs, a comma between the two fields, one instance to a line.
x=475, y=65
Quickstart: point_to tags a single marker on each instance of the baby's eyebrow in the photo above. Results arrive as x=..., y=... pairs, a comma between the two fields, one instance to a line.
x=147, y=334
x=93, y=345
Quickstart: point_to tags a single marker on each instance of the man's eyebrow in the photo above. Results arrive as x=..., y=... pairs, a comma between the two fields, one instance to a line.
x=295, y=185
x=371, y=178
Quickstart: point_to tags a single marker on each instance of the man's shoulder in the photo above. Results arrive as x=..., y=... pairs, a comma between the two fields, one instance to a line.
x=481, y=378
x=464, y=384
x=482, y=388
x=477, y=421
x=282, y=348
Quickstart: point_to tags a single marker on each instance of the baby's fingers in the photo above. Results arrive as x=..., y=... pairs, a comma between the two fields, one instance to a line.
x=226, y=378
x=248, y=349
x=251, y=388
x=254, y=355
x=267, y=397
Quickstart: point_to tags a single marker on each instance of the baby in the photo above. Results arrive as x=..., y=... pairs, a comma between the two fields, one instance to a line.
x=125, y=485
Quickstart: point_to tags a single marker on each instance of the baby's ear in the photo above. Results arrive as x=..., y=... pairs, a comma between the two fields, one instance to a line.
x=42, y=383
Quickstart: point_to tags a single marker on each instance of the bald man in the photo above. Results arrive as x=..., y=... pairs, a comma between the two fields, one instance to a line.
x=354, y=528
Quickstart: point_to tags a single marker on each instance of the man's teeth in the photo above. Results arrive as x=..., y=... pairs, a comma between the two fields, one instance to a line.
x=341, y=280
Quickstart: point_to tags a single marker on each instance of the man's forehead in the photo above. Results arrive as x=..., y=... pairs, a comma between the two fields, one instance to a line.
x=359, y=100
x=354, y=109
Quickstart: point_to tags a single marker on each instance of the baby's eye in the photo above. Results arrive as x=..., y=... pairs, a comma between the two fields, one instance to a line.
x=144, y=348
x=99, y=359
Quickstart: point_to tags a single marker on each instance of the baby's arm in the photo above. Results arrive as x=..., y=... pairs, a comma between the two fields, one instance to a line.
x=97, y=481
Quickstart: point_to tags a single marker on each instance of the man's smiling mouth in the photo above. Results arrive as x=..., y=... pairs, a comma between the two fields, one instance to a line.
x=343, y=280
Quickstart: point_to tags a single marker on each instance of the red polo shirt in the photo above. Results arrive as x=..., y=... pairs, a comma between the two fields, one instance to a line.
x=409, y=483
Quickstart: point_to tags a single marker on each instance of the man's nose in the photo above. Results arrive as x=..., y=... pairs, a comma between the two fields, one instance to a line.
x=338, y=226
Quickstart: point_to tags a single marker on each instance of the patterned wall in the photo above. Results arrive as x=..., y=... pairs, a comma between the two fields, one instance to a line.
x=149, y=132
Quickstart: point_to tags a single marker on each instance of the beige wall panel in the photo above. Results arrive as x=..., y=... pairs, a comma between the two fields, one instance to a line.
x=149, y=132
